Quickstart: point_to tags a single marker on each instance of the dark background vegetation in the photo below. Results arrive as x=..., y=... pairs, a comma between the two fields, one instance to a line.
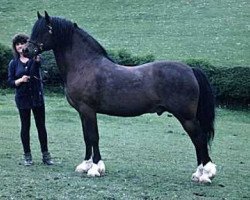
x=231, y=84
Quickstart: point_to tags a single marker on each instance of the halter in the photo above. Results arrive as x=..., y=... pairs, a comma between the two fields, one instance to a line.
x=39, y=46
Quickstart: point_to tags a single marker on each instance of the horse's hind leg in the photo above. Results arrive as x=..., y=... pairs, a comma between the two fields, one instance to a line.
x=94, y=166
x=206, y=169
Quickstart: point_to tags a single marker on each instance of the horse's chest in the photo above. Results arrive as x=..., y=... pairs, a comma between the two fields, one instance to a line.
x=80, y=92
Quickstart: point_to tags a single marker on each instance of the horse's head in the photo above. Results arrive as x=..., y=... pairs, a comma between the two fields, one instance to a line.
x=41, y=36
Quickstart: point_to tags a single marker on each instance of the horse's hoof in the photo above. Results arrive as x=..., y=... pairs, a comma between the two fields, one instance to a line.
x=204, y=179
x=94, y=171
x=196, y=176
x=101, y=167
x=84, y=166
x=210, y=170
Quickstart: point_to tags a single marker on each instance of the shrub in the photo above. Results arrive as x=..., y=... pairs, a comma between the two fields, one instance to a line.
x=5, y=57
x=231, y=84
x=205, y=65
x=123, y=57
x=50, y=71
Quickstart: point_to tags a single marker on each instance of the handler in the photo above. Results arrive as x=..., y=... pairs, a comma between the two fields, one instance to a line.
x=24, y=75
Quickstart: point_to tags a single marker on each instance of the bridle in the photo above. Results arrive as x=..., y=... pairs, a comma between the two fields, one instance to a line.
x=38, y=45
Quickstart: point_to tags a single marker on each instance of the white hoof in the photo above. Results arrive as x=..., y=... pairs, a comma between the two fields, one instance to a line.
x=97, y=169
x=208, y=173
x=210, y=170
x=204, y=174
x=94, y=171
x=196, y=176
x=204, y=179
x=84, y=166
x=101, y=167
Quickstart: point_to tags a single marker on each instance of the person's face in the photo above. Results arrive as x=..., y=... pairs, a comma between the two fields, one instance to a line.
x=19, y=47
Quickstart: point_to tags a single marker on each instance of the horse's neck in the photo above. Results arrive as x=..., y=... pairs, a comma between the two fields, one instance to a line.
x=70, y=59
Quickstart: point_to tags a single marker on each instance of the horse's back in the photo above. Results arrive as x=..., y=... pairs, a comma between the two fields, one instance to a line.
x=152, y=87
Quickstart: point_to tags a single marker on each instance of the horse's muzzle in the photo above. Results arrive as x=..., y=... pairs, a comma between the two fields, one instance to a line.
x=27, y=53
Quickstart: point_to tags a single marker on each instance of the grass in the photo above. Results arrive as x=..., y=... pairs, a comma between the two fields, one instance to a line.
x=217, y=31
x=147, y=157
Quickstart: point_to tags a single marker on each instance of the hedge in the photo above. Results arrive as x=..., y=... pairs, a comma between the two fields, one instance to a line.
x=123, y=57
x=231, y=84
x=5, y=57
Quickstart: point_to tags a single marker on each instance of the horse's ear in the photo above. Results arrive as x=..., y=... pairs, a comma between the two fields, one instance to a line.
x=75, y=25
x=47, y=17
x=39, y=15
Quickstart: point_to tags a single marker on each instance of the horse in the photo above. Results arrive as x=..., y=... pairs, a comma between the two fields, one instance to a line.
x=94, y=83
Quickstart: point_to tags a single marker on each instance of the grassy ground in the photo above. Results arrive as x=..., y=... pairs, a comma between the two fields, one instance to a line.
x=147, y=157
x=177, y=30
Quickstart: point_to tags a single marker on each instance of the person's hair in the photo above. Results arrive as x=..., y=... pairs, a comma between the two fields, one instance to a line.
x=18, y=38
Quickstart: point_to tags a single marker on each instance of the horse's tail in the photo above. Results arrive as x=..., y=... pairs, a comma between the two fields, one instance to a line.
x=206, y=105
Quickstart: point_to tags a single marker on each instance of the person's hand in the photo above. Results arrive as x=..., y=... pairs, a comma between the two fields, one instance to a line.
x=25, y=78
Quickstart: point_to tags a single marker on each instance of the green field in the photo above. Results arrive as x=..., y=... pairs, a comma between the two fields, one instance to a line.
x=147, y=157
x=218, y=31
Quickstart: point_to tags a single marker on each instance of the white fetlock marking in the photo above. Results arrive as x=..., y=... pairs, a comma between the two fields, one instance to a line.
x=196, y=176
x=210, y=169
x=101, y=167
x=84, y=166
x=94, y=171
x=204, y=174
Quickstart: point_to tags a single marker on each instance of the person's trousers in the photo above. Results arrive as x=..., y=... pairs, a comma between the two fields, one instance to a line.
x=39, y=116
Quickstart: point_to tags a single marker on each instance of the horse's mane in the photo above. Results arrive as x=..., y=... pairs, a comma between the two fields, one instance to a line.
x=63, y=31
x=93, y=43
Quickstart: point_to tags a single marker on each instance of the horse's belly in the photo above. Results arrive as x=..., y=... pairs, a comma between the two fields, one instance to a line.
x=123, y=108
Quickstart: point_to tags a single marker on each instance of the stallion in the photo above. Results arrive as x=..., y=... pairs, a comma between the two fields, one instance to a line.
x=94, y=83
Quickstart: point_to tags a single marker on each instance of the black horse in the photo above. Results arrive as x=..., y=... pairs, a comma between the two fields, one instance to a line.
x=95, y=84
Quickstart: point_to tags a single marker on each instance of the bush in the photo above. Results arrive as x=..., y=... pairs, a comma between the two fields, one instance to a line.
x=50, y=71
x=122, y=57
x=231, y=84
x=205, y=65
x=5, y=57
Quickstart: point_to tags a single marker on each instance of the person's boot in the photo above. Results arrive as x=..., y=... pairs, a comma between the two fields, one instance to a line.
x=28, y=159
x=47, y=158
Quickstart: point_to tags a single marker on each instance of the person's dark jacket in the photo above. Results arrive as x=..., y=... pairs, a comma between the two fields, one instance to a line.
x=30, y=94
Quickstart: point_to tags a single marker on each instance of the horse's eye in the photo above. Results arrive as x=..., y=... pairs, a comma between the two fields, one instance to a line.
x=35, y=50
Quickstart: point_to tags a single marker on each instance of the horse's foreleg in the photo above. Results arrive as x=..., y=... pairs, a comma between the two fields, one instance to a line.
x=98, y=167
x=206, y=170
x=94, y=166
x=88, y=162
